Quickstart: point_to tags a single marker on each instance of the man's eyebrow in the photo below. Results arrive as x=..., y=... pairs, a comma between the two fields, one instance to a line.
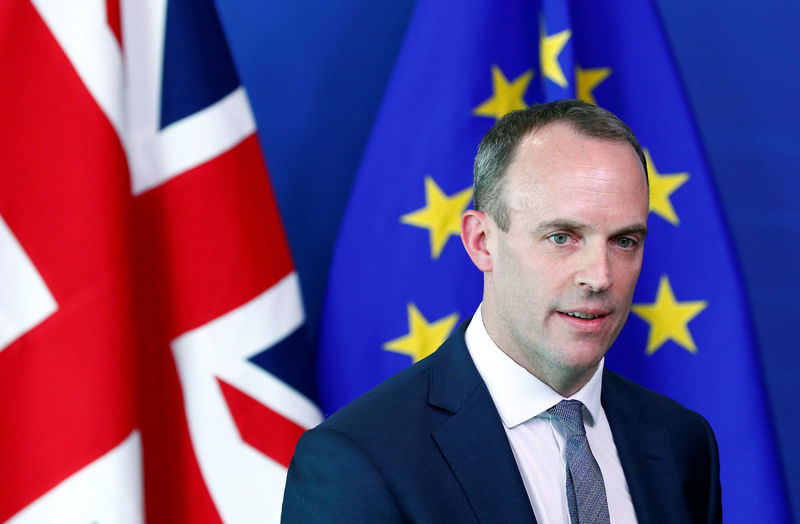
x=560, y=223
x=637, y=229
x=571, y=225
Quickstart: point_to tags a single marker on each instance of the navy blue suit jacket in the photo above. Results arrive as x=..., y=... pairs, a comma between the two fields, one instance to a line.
x=428, y=445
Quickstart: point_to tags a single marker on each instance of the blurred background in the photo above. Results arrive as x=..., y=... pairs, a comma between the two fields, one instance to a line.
x=316, y=72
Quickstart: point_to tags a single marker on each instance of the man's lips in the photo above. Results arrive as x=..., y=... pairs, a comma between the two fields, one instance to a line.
x=585, y=319
x=585, y=313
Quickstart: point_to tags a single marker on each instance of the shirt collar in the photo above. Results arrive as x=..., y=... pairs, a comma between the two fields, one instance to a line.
x=517, y=394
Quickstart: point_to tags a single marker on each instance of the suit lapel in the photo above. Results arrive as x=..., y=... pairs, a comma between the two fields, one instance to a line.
x=645, y=454
x=473, y=441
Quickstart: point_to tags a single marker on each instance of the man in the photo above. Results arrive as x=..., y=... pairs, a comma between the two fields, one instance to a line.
x=514, y=418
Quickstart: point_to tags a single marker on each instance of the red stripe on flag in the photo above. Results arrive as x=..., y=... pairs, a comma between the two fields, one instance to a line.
x=269, y=432
x=68, y=387
x=64, y=189
x=67, y=394
x=174, y=487
x=210, y=240
x=113, y=17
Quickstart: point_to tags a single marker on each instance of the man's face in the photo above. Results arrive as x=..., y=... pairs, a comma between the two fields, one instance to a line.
x=563, y=275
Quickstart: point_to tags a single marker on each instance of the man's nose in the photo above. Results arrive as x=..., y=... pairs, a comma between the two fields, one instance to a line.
x=594, y=272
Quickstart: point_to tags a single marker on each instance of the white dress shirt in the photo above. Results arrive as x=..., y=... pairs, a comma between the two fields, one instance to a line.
x=538, y=438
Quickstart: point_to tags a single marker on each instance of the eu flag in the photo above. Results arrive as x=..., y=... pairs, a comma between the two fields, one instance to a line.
x=401, y=281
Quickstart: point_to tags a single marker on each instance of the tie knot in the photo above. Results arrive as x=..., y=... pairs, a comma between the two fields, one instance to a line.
x=570, y=414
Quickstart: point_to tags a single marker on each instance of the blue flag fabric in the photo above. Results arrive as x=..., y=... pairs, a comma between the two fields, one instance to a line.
x=401, y=281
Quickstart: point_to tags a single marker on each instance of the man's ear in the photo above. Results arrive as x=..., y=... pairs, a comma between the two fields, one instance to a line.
x=474, y=229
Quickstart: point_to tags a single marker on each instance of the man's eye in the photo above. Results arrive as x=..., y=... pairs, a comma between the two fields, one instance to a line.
x=626, y=242
x=560, y=238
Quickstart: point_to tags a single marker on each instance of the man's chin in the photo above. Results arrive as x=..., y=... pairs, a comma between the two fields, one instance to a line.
x=583, y=358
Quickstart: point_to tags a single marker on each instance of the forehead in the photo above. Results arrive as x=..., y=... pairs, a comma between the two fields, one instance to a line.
x=557, y=165
x=558, y=173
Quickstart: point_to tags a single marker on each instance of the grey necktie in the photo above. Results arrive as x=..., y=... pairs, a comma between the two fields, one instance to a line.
x=586, y=493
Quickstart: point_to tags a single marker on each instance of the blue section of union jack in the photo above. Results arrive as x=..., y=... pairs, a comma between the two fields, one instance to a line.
x=193, y=38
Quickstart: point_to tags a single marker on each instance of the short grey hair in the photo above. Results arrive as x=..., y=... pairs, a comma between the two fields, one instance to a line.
x=496, y=150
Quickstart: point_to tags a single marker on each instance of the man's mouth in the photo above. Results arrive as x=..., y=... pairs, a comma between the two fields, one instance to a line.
x=587, y=314
x=583, y=316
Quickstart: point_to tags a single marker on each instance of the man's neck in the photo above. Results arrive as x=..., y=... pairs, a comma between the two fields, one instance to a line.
x=565, y=381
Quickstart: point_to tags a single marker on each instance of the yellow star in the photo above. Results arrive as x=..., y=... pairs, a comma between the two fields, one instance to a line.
x=441, y=214
x=550, y=46
x=507, y=96
x=423, y=337
x=587, y=79
x=661, y=187
x=668, y=318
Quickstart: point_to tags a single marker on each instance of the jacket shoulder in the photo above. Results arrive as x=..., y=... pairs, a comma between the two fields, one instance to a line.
x=649, y=426
x=650, y=405
x=397, y=397
x=417, y=397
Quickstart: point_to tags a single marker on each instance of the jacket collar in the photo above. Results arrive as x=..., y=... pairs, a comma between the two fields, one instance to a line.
x=645, y=452
x=472, y=439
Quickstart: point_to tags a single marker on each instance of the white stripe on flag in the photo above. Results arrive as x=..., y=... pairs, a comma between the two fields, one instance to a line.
x=189, y=142
x=246, y=486
x=25, y=300
x=131, y=97
x=143, y=34
x=157, y=155
x=108, y=491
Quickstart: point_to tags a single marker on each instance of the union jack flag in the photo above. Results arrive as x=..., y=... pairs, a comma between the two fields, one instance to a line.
x=149, y=307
